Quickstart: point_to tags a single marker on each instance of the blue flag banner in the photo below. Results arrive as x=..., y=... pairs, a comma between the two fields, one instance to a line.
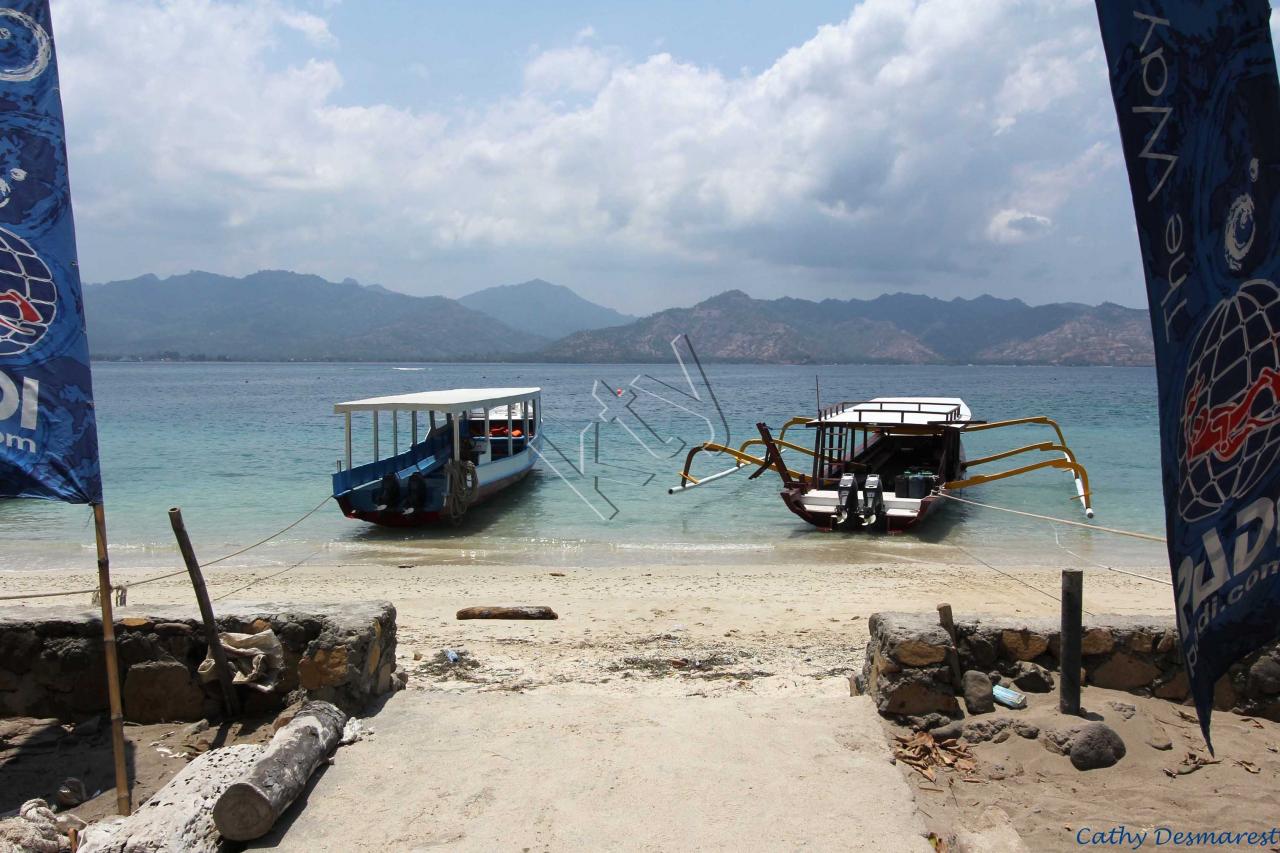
x=1199, y=111
x=48, y=434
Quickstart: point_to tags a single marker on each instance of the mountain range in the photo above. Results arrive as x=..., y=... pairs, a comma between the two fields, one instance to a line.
x=284, y=316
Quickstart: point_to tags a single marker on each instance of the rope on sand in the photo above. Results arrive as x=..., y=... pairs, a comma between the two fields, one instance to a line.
x=1017, y=579
x=1084, y=559
x=122, y=590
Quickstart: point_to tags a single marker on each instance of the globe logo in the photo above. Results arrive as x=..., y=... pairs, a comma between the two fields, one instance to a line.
x=1230, y=437
x=28, y=297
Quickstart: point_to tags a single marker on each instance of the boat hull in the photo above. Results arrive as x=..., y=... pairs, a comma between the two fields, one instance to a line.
x=427, y=517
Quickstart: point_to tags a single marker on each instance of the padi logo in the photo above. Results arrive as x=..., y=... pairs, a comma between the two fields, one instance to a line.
x=1230, y=436
x=22, y=405
x=28, y=297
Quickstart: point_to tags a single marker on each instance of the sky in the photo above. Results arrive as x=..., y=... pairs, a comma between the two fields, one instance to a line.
x=645, y=154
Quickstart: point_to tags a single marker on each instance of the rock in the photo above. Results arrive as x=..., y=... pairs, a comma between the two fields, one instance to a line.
x=1124, y=709
x=1094, y=746
x=948, y=732
x=71, y=793
x=1001, y=736
x=1058, y=741
x=914, y=692
x=979, y=650
x=909, y=639
x=1097, y=641
x=1168, y=641
x=929, y=722
x=1159, y=738
x=992, y=833
x=981, y=731
x=1032, y=677
x=977, y=693
x=18, y=648
x=1175, y=688
x=1123, y=671
x=916, y=652
x=995, y=676
x=1264, y=676
x=323, y=668
x=1224, y=694
x=1030, y=731
x=169, y=629
x=161, y=691
x=1142, y=641
x=1023, y=644
x=135, y=623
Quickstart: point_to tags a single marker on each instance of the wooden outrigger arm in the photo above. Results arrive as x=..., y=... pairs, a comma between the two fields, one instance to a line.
x=742, y=458
x=1068, y=461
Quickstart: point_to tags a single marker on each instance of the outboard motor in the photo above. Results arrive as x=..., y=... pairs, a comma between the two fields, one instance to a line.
x=865, y=503
x=871, y=500
x=848, y=486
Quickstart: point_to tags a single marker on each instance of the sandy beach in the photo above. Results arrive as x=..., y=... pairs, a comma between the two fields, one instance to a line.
x=735, y=673
x=798, y=628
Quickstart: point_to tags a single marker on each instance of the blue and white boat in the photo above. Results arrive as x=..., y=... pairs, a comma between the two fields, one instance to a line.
x=462, y=446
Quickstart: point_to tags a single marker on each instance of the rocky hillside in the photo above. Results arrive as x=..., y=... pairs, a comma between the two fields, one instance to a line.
x=543, y=308
x=283, y=316
x=899, y=328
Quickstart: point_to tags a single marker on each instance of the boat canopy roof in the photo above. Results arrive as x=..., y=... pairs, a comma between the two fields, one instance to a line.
x=897, y=411
x=454, y=400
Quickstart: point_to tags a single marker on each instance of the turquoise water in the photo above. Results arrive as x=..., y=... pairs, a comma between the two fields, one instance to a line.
x=245, y=449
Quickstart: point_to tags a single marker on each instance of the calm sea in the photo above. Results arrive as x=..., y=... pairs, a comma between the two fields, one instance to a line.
x=245, y=449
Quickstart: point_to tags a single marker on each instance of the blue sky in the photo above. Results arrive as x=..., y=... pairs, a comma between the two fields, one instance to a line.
x=646, y=155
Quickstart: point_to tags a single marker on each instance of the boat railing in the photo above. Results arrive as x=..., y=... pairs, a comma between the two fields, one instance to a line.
x=422, y=456
x=884, y=409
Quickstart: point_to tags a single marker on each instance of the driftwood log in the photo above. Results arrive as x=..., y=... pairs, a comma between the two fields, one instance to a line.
x=179, y=817
x=507, y=613
x=249, y=808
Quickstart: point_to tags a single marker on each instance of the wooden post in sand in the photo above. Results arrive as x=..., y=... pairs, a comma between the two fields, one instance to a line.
x=948, y=624
x=206, y=612
x=113, y=662
x=1072, y=604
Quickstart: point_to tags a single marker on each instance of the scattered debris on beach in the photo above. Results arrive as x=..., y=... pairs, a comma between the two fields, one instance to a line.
x=925, y=755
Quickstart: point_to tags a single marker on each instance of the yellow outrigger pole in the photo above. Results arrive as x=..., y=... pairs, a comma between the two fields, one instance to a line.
x=743, y=459
x=1068, y=462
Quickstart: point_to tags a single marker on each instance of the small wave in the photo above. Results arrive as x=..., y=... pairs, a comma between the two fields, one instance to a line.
x=692, y=546
x=415, y=369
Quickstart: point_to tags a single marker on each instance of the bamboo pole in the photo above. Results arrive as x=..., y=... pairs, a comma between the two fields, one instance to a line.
x=206, y=612
x=113, y=662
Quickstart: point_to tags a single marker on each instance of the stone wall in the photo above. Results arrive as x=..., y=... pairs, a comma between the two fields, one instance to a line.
x=908, y=669
x=51, y=662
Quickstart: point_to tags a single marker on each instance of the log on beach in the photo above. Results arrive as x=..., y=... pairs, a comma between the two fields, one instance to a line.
x=179, y=817
x=507, y=613
x=251, y=806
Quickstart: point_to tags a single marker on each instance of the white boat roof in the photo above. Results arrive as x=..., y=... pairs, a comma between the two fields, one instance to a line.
x=895, y=411
x=453, y=400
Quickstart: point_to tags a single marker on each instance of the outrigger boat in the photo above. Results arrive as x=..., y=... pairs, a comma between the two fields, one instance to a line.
x=884, y=464
x=475, y=443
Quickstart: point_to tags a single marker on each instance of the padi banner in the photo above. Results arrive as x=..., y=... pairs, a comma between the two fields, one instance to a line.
x=48, y=435
x=1199, y=110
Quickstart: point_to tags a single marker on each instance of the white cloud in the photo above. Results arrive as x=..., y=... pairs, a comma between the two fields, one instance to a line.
x=892, y=147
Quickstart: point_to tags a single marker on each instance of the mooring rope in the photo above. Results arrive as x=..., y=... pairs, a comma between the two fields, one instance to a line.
x=1097, y=527
x=1084, y=559
x=269, y=577
x=1017, y=579
x=122, y=590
